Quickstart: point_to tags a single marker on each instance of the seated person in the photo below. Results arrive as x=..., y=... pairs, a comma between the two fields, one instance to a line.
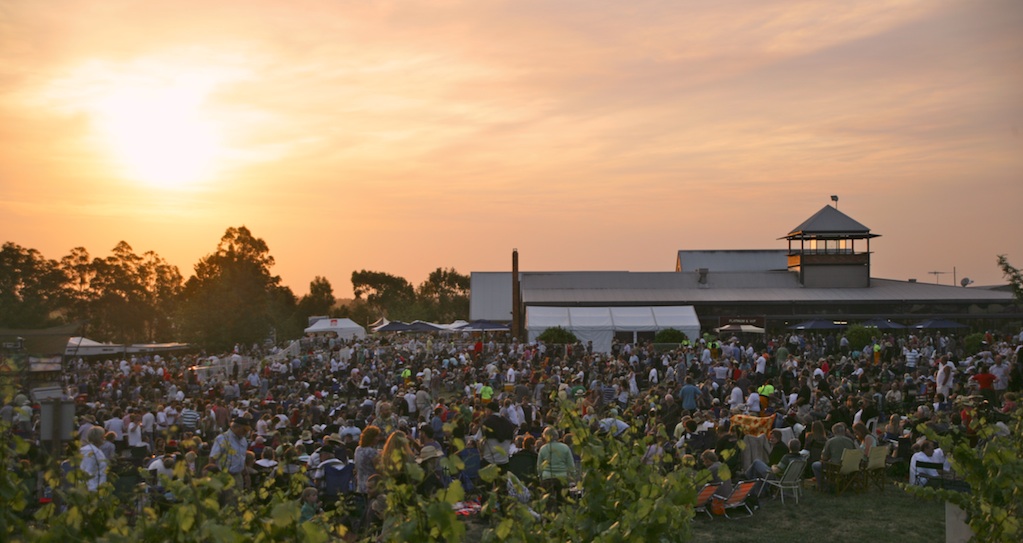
x=523, y=462
x=832, y=453
x=433, y=476
x=760, y=469
x=719, y=472
x=927, y=453
x=328, y=461
x=793, y=454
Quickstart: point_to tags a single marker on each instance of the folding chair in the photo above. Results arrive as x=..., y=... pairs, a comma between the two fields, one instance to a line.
x=703, y=498
x=737, y=499
x=845, y=475
x=875, y=472
x=791, y=479
x=338, y=482
x=945, y=480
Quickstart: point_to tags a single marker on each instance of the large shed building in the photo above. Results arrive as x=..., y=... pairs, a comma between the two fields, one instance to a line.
x=824, y=273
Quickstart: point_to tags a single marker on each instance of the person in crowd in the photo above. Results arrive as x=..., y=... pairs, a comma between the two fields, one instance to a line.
x=864, y=438
x=433, y=474
x=555, y=464
x=94, y=461
x=926, y=452
x=832, y=453
x=366, y=455
x=229, y=448
x=310, y=504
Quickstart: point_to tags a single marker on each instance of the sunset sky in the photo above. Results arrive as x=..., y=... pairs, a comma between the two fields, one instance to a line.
x=403, y=136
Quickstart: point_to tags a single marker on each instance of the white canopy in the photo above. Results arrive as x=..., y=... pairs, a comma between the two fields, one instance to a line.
x=599, y=324
x=81, y=346
x=344, y=328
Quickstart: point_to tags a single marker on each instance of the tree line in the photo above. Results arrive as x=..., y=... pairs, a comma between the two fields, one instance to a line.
x=232, y=297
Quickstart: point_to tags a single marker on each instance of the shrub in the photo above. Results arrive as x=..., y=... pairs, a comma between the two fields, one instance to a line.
x=994, y=470
x=859, y=336
x=558, y=336
x=973, y=343
x=670, y=335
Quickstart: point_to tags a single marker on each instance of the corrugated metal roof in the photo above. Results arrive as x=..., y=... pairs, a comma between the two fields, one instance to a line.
x=829, y=221
x=684, y=288
x=735, y=260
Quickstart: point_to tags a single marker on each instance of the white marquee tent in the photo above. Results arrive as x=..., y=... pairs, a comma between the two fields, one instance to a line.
x=599, y=324
x=344, y=328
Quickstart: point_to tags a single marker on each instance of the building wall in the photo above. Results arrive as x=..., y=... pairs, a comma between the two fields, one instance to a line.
x=839, y=276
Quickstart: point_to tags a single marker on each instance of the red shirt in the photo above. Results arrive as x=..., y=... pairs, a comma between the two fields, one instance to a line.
x=985, y=380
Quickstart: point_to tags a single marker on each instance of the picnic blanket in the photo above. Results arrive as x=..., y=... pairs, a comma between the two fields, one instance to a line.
x=753, y=426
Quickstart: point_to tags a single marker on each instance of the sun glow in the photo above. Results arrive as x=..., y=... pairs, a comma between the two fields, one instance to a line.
x=158, y=135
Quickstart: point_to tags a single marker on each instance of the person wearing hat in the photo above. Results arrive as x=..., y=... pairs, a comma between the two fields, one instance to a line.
x=433, y=480
x=328, y=462
x=305, y=442
x=229, y=448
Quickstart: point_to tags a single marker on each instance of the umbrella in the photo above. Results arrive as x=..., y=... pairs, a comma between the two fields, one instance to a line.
x=817, y=324
x=483, y=326
x=740, y=329
x=883, y=324
x=394, y=326
x=934, y=324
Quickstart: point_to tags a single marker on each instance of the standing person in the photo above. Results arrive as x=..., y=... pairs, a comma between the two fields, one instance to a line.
x=689, y=394
x=985, y=379
x=366, y=455
x=1001, y=372
x=943, y=379
x=134, y=433
x=149, y=425
x=229, y=448
x=94, y=462
x=555, y=465
x=115, y=424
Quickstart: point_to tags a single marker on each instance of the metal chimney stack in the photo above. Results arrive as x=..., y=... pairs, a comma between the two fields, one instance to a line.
x=516, y=325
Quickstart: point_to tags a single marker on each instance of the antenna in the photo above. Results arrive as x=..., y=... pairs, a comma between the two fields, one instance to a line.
x=966, y=282
x=937, y=275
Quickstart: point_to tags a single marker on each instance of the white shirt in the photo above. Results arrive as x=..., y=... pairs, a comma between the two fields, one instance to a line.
x=736, y=398
x=918, y=476
x=95, y=464
x=1001, y=373
x=135, y=434
x=753, y=402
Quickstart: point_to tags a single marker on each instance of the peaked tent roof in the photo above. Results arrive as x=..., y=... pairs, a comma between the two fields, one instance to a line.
x=830, y=222
x=344, y=327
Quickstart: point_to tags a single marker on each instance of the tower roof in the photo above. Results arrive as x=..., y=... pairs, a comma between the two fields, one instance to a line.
x=830, y=222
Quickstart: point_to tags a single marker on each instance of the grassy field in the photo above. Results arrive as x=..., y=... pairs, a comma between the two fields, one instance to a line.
x=892, y=515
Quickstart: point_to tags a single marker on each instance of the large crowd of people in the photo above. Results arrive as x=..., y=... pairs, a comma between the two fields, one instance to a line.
x=350, y=413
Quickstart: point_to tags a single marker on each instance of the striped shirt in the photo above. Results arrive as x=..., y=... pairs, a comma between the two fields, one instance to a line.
x=189, y=418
